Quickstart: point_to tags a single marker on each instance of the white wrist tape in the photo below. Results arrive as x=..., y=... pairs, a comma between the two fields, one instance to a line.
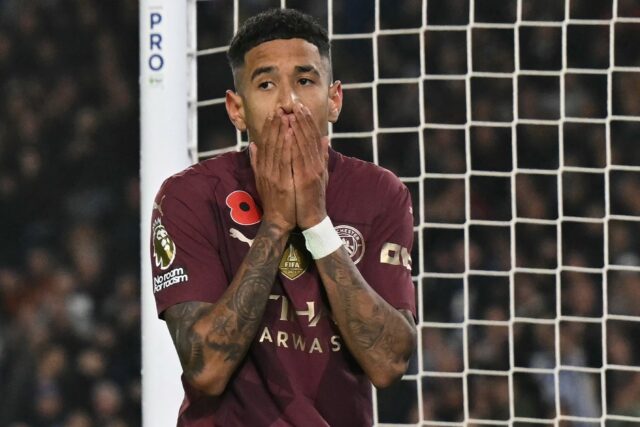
x=322, y=239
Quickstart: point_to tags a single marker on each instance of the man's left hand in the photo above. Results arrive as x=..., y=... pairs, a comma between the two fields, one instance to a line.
x=310, y=173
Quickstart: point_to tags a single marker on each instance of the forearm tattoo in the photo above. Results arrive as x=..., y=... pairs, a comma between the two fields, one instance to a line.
x=224, y=330
x=376, y=330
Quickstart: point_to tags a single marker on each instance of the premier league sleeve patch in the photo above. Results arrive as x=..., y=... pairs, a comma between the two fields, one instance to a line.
x=164, y=249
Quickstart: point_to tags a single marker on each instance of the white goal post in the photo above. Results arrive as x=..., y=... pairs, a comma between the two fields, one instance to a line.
x=519, y=324
x=164, y=141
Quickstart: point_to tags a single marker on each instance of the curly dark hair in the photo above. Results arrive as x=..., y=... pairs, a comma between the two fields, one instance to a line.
x=276, y=24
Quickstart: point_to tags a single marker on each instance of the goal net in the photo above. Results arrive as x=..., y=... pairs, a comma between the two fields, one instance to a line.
x=515, y=124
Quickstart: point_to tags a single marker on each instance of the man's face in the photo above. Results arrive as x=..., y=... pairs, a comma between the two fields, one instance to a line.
x=277, y=74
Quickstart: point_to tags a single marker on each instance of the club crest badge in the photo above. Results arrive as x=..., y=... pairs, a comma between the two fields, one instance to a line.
x=295, y=259
x=164, y=250
x=353, y=241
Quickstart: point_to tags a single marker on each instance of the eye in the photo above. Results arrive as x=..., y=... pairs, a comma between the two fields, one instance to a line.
x=265, y=85
x=305, y=81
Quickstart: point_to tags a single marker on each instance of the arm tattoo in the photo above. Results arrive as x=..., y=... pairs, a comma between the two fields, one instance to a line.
x=180, y=319
x=206, y=333
x=378, y=333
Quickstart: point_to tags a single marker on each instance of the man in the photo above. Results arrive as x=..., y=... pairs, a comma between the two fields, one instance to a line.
x=280, y=317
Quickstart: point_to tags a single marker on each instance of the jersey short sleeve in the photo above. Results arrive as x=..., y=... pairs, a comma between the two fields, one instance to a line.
x=387, y=266
x=185, y=260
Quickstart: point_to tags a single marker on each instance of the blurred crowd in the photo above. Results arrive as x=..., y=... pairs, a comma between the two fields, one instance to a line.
x=69, y=214
x=69, y=258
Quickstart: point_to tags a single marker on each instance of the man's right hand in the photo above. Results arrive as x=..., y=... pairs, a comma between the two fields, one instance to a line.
x=271, y=163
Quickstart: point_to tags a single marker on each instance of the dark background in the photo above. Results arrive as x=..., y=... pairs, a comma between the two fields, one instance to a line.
x=69, y=214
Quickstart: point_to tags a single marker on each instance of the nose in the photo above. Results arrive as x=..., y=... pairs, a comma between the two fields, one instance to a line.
x=287, y=98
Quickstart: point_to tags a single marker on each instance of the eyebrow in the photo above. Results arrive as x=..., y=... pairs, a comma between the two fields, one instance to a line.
x=307, y=69
x=270, y=69
x=262, y=70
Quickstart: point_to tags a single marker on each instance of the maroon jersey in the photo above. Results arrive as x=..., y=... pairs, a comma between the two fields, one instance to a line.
x=298, y=371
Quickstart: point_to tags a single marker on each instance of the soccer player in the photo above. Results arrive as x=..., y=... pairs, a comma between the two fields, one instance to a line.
x=283, y=271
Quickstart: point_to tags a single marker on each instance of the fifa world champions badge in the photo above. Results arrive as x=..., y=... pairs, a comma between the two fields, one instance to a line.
x=295, y=258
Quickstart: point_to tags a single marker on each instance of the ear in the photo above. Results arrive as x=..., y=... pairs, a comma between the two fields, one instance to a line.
x=235, y=110
x=335, y=101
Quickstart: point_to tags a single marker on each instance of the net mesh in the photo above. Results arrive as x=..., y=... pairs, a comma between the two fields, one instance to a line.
x=514, y=123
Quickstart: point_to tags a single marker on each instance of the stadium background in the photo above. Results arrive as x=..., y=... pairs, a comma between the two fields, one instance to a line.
x=69, y=201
